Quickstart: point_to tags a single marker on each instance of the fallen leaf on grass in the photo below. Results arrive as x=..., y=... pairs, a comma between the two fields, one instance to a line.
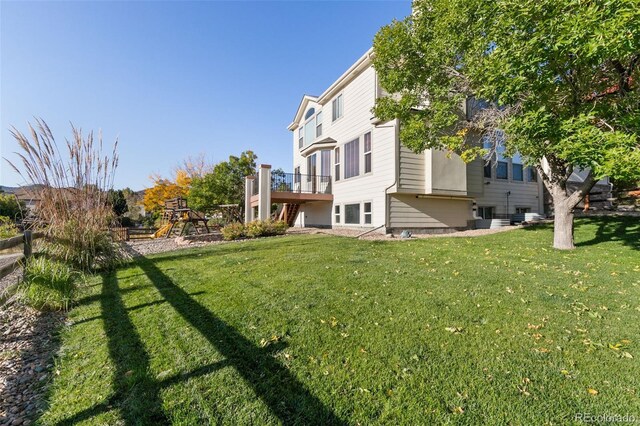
x=457, y=410
x=454, y=330
x=592, y=391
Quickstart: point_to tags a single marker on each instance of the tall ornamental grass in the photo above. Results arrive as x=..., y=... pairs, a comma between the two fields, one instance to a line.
x=73, y=212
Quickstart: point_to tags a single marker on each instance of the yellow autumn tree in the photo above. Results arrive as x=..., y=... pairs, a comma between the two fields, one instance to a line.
x=164, y=189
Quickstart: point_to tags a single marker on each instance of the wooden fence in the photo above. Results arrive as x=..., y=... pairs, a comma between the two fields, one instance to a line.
x=14, y=262
x=126, y=234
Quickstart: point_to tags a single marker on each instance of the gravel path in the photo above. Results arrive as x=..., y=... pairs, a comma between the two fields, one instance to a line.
x=27, y=348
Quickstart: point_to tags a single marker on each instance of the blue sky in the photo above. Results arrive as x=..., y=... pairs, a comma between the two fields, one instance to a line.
x=172, y=79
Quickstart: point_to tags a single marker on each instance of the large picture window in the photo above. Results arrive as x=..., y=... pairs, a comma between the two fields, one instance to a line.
x=352, y=159
x=352, y=213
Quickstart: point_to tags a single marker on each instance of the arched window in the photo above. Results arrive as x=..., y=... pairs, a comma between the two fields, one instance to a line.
x=309, y=113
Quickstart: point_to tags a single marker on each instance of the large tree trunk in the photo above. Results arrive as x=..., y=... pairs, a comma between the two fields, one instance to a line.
x=563, y=225
x=563, y=205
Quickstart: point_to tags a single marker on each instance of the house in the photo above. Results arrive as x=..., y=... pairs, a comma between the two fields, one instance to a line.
x=350, y=170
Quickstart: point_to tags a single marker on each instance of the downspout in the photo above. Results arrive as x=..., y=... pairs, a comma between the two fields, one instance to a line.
x=387, y=219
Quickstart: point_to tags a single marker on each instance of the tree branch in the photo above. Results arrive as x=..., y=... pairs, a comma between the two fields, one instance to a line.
x=583, y=190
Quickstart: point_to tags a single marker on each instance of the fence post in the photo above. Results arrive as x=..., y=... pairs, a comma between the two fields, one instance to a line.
x=28, y=245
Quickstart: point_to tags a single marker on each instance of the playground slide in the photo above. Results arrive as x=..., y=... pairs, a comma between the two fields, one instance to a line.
x=163, y=230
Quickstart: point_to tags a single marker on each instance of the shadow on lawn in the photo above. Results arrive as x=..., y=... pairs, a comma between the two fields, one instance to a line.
x=624, y=229
x=136, y=393
x=285, y=396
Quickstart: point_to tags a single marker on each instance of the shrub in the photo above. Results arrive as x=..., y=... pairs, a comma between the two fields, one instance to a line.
x=10, y=206
x=233, y=231
x=7, y=228
x=255, y=229
x=49, y=284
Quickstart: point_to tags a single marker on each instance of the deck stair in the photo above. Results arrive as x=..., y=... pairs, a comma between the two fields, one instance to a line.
x=289, y=213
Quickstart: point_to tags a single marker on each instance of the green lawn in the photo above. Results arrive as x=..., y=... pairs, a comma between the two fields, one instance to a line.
x=317, y=329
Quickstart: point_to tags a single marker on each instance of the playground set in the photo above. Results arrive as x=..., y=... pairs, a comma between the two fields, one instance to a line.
x=176, y=212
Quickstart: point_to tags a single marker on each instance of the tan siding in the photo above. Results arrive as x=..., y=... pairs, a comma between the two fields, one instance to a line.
x=412, y=169
x=410, y=212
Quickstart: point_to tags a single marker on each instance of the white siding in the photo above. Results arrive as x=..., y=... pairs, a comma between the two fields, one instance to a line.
x=358, y=99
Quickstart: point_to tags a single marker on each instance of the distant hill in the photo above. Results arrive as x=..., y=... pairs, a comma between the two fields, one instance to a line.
x=8, y=189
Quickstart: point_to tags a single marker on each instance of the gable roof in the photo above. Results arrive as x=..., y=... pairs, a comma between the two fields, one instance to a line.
x=306, y=99
x=354, y=70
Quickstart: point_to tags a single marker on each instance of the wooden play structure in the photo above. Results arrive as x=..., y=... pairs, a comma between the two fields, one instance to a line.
x=177, y=212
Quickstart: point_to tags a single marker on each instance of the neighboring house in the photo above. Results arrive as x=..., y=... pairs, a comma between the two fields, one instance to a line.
x=350, y=170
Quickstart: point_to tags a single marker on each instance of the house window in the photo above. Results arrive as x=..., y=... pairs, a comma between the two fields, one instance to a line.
x=336, y=108
x=309, y=131
x=517, y=168
x=367, y=152
x=352, y=213
x=487, y=169
x=485, y=212
x=352, y=159
x=336, y=161
x=311, y=167
x=532, y=174
x=522, y=210
x=502, y=170
x=367, y=213
x=296, y=175
x=300, y=136
x=319, y=124
x=309, y=113
x=325, y=164
x=518, y=172
x=336, y=210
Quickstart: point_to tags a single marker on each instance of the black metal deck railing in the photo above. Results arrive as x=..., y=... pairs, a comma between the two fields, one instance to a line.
x=305, y=184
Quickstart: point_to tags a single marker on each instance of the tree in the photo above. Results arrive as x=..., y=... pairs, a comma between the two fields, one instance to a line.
x=225, y=184
x=164, y=189
x=560, y=78
x=118, y=202
x=10, y=207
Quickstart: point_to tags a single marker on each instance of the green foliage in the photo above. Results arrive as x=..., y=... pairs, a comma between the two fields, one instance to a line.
x=562, y=78
x=49, y=284
x=233, y=231
x=82, y=247
x=255, y=229
x=10, y=207
x=8, y=228
x=224, y=185
x=118, y=202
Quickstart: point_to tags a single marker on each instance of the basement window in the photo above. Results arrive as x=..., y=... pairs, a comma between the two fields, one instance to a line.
x=352, y=213
x=367, y=213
